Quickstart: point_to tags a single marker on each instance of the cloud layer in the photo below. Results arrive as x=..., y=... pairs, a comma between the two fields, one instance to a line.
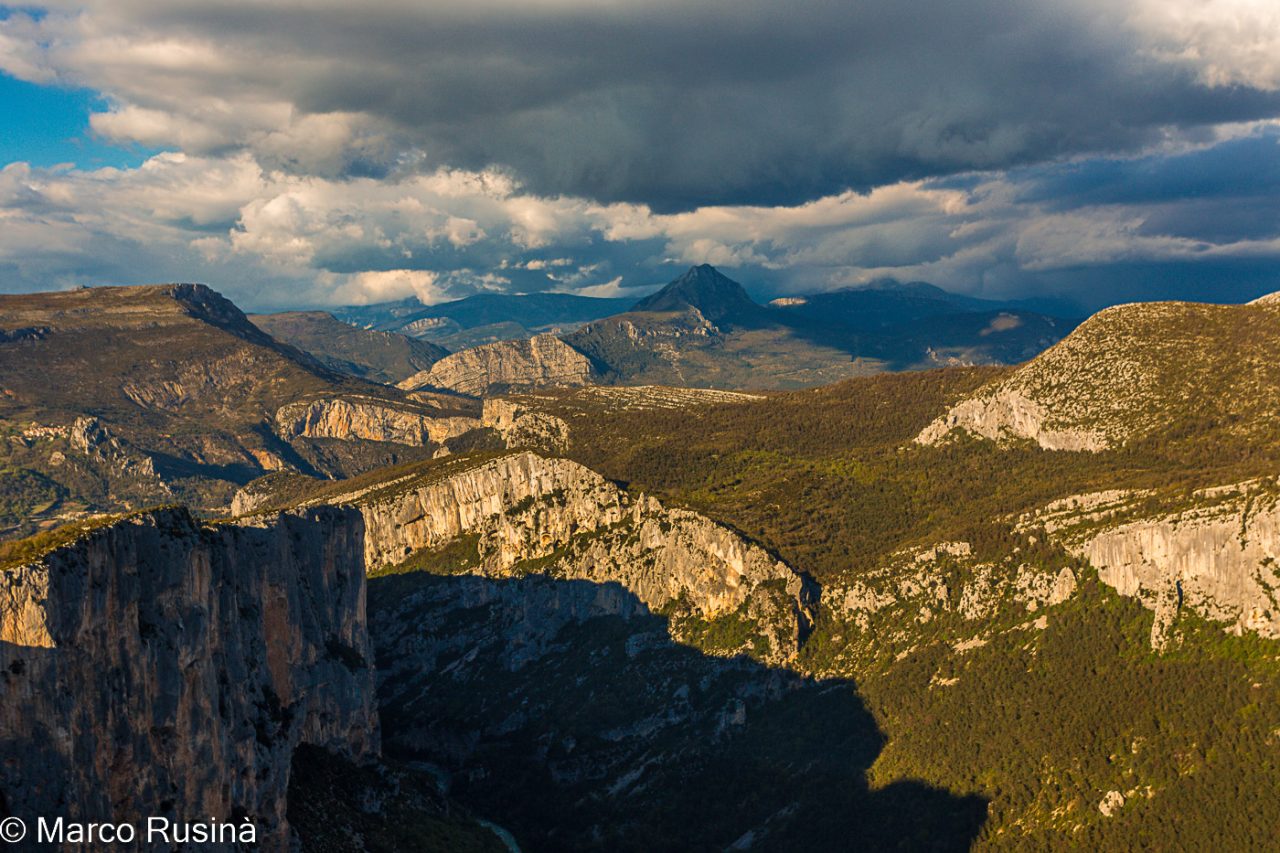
x=323, y=151
x=670, y=104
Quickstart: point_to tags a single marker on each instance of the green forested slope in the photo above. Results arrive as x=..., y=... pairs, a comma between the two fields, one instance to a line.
x=1043, y=713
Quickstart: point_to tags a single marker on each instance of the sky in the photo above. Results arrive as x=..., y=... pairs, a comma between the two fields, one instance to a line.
x=316, y=152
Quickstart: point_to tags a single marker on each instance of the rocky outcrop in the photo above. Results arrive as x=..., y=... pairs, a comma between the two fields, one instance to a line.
x=541, y=361
x=1216, y=554
x=623, y=398
x=527, y=513
x=368, y=419
x=923, y=584
x=520, y=426
x=1221, y=563
x=1008, y=414
x=30, y=333
x=88, y=436
x=158, y=667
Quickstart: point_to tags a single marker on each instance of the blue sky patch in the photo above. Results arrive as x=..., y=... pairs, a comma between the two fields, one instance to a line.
x=48, y=125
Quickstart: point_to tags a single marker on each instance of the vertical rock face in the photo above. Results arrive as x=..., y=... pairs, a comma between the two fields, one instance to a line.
x=1221, y=564
x=158, y=667
x=414, y=515
x=555, y=516
x=161, y=667
x=520, y=426
x=1218, y=556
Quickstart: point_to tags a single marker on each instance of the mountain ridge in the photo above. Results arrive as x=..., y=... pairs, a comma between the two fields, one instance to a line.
x=133, y=396
x=704, y=288
x=1130, y=372
x=385, y=357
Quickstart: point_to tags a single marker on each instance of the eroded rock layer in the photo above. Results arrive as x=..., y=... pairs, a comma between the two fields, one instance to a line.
x=371, y=420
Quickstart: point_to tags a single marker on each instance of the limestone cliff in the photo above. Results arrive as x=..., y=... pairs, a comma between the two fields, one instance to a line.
x=1009, y=414
x=1215, y=553
x=528, y=513
x=89, y=436
x=541, y=361
x=160, y=667
x=369, y=419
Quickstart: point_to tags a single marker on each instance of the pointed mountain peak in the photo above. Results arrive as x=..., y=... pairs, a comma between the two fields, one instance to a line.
x=715, y=295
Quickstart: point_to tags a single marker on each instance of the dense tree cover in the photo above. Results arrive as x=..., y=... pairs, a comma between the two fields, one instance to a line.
x=1042, y=723
x=1046, y=723
x=1042, y=719
x=607, y=735
x=337, y=806
x=831, y=480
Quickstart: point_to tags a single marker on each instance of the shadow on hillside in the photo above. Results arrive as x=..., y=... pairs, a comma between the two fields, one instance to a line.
x=902, y=334
x=171, y=467
x=36, y=776
x=564, y=711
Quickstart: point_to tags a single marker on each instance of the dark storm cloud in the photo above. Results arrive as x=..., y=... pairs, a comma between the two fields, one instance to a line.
x=679, y=105
x=320, y=151
x=1093, y=288
x=1243, y=168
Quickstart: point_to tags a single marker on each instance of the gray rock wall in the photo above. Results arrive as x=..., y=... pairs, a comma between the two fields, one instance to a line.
x=370, y=420
x=161, y=667
x=1215, y=552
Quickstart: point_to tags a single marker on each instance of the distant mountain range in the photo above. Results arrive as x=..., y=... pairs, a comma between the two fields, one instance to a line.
x=704, y=329
x=482, y=318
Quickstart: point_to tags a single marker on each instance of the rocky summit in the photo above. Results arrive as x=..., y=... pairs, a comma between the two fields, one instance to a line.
x=1131, y=372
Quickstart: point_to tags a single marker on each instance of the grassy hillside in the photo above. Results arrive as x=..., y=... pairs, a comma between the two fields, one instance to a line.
x=830, y=478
